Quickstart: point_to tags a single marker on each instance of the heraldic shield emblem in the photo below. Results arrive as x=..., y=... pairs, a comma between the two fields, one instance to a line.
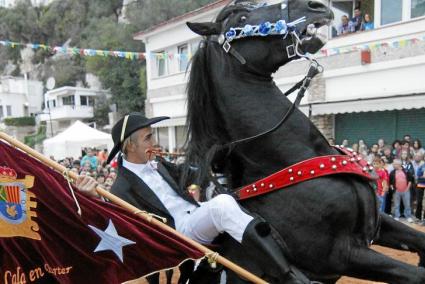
x=17, y=206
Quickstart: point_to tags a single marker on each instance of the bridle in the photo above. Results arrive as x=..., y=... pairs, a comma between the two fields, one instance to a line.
x=268, y=29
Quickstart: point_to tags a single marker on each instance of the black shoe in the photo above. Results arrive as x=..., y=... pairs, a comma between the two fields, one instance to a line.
x=257, y=239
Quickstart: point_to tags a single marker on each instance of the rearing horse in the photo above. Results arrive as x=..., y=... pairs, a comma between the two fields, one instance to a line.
x=327, y=224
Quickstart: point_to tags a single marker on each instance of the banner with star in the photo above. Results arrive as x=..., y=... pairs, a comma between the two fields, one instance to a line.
x=44, y=240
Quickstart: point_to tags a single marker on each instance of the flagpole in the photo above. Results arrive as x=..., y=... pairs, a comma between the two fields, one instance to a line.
x=132, y=209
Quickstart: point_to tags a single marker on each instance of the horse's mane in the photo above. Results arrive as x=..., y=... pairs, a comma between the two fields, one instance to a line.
x=206, y=128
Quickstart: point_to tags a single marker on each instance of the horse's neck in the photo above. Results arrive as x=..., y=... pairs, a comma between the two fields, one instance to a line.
x=250, y=106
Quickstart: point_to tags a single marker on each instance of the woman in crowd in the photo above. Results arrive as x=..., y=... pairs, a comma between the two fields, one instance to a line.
x=417, y=147
x=367, y=23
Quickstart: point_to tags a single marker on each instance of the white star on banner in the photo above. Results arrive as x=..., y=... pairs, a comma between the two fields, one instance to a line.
x=110, y=240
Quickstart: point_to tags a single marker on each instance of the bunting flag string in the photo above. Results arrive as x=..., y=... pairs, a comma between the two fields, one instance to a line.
x=131, y=55
x=372, y=46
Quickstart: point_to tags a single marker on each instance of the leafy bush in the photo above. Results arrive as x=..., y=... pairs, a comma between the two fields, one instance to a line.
x=20, y=121
x=32, y=140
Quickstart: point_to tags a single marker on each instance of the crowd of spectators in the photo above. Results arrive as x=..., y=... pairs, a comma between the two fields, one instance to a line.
x=92, y=162
x=358, y=23
x=400, y=168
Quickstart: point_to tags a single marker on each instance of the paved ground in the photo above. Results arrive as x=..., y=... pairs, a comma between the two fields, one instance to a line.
x=400, y=255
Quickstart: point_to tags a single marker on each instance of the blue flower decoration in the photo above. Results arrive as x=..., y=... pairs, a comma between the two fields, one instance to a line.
x=231, y=34
x=281, y=27
x=265, y=28
x=248, y=30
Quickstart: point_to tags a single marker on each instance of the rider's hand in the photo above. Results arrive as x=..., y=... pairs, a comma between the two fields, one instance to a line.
x=87, y=185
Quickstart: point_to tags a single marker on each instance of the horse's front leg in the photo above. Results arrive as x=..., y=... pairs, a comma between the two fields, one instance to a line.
x=394, y=234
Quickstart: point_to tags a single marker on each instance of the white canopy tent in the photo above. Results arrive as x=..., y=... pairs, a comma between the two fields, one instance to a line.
x=70, y=142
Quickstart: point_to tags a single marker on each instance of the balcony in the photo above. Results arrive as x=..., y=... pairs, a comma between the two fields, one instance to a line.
x=68, y=113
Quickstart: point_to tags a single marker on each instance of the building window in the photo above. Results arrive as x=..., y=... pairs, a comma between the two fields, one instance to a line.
x=183, y=52
x=417, y=8
x=8, y=110
x=51, y=103
x=161, y=63
x=1, y=112
x=83, y=100
x=68, y=101
x=391, y=11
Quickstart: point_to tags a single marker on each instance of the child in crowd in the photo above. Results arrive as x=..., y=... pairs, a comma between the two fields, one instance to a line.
x=382, y=182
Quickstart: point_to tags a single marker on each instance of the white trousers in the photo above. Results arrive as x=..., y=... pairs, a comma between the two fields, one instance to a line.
x=220, y=214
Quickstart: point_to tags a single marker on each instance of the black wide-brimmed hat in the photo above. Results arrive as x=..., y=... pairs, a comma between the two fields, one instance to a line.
x=127, y=126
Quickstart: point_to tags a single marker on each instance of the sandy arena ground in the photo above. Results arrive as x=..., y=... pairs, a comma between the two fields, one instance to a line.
x=400, y=255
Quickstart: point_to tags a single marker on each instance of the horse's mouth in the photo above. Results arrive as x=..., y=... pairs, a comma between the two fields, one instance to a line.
x=311, y=30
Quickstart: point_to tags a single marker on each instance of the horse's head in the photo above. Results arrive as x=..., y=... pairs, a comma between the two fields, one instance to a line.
x=267, y=36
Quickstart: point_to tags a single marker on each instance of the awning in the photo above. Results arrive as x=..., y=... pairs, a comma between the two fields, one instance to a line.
x=415, y=101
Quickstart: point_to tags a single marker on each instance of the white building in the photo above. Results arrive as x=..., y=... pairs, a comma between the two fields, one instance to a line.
x=350, y=100
x=20, y=97
x=66, y=105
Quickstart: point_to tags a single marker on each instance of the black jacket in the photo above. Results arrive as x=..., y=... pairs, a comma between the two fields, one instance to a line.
x=132, y=189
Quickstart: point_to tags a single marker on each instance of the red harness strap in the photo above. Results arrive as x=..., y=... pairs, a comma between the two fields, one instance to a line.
x=350, y=163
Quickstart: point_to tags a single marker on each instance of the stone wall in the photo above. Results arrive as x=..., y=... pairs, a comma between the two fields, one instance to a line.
x=326, y=124
x=19, y=132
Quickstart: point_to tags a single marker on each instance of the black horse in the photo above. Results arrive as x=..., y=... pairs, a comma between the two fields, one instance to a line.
x=326, y=224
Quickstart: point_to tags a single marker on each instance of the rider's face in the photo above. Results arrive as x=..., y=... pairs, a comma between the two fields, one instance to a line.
x=138, y=149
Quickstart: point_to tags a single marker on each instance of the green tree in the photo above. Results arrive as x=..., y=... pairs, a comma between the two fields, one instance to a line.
x=120, y=76
x=146, y=13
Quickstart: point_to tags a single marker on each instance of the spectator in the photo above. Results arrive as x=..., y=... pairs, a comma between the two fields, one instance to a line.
x=100, y=179
x=400, y=182
x=357, y=20
x=331, y=141
x=91, y=158
x=77, y=164
x=418, y=160
x=373, y=153
x=367, y=24
x=346, y=26
x=382, y=182
x=355, y=147
x=408, y=167
x=381, y=146
x=396, y=147
x=405, y=146
x=407, y=137
x=102, y=156
x=344, y=143
x=420, y=191
x=417, y=147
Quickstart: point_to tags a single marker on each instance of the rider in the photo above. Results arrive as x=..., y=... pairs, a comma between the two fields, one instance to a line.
x=149, y=185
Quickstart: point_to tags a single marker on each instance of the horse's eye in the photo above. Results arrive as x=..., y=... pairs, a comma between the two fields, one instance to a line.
x=243, y=18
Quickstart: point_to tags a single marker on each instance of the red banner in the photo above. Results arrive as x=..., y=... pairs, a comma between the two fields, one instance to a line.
x=44, y=240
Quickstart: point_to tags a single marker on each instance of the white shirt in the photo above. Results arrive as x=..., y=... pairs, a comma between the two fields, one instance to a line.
x=175, y=204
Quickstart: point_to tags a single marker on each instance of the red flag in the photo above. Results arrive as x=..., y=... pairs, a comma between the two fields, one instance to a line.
x=44, y=240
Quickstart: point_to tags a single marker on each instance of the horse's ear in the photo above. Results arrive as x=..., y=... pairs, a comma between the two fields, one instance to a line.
x=204, y=29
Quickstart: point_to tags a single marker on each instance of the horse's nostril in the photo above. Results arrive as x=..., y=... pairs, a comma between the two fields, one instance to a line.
x=316, y=5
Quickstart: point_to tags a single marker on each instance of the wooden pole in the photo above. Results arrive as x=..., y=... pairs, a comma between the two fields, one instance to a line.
x=61, y=169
